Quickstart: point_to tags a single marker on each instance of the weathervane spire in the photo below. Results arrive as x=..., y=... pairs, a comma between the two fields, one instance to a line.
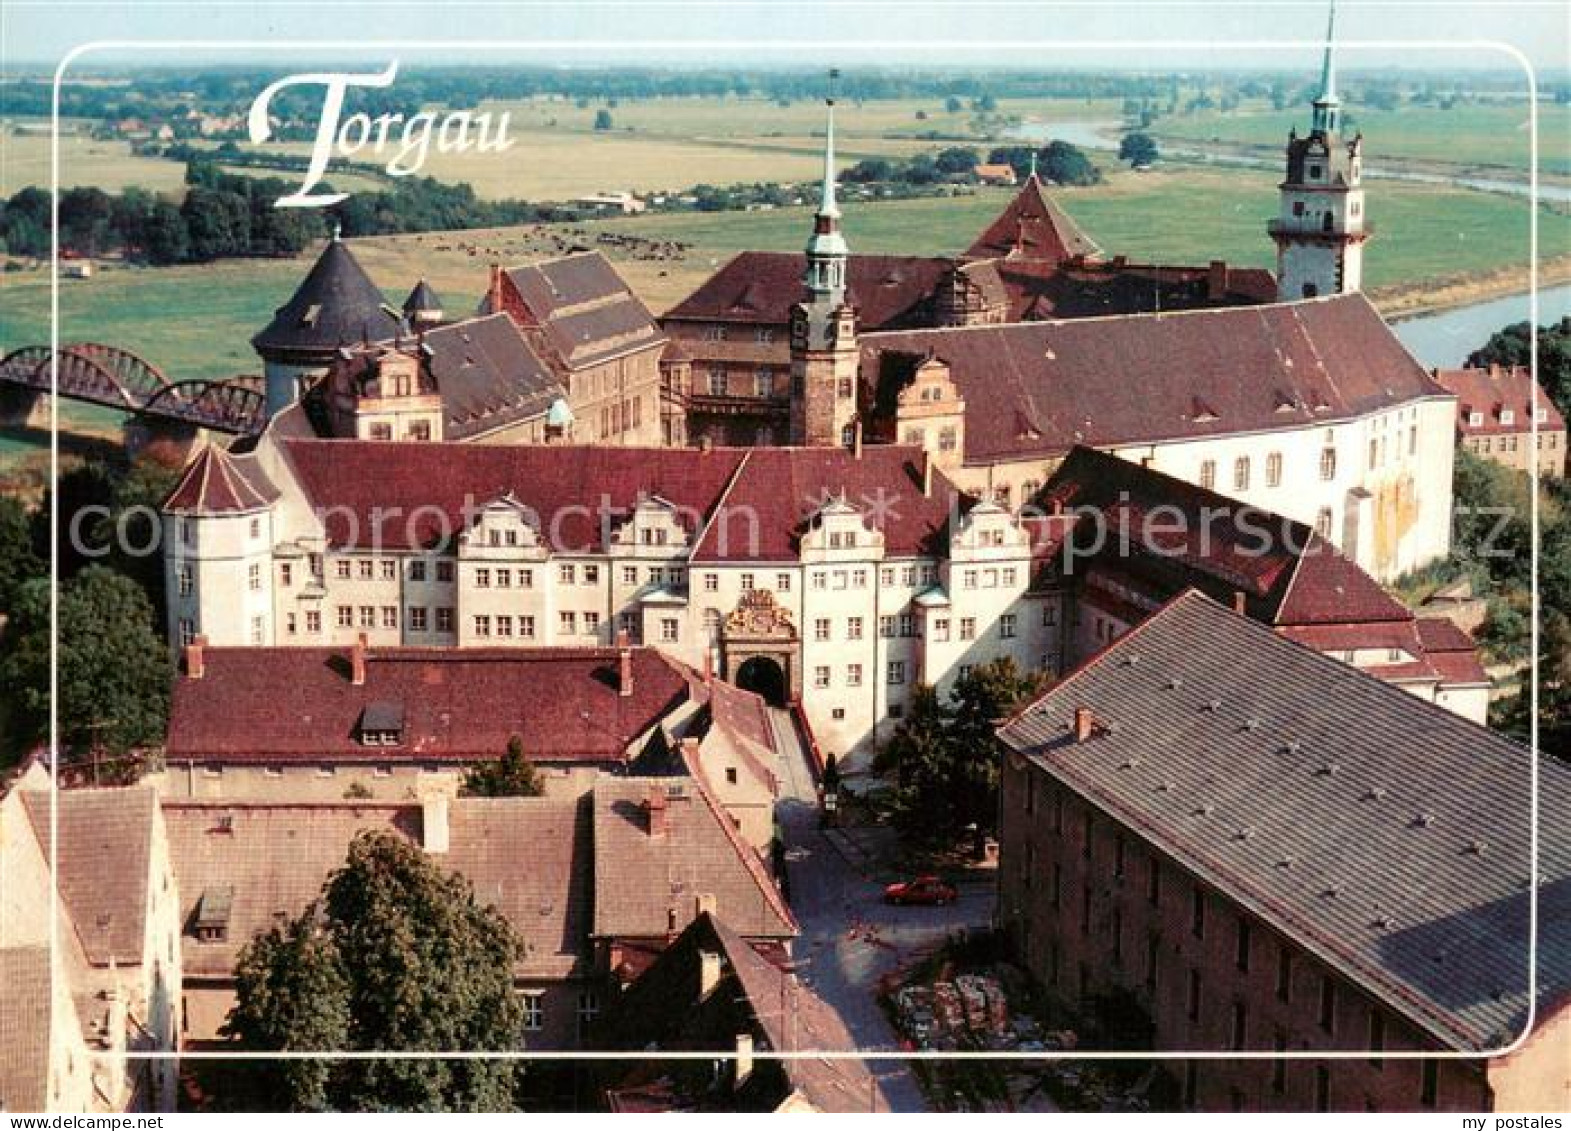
x=826, y=204
x=1033, y=163
x=1327, y=104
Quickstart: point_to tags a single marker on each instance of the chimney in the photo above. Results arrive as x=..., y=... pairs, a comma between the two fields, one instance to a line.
x=856, y=438
x=704, y=904
x=357, y=661
x=624, y=671
x=690, y=750
x=1085, y=724
x=433, y=821
x=744, y=1058
x=708, y=974
x=709, y=664
x=195, y=663
x=1216, y=280
x=927, y=474
x=494, y=290
x=654, y=811
x=1238, y=601
x=1494, y=371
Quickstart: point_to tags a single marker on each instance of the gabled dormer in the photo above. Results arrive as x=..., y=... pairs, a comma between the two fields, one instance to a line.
x=655, y=529
x=503, y=528
x=988, y=532
x=839, y=531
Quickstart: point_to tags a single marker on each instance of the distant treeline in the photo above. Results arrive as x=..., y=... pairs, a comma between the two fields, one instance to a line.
x=1057, y=161
x=226, y=215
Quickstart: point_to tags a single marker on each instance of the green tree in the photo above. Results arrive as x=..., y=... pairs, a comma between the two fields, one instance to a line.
x=602, y=119
x=114, y=668
x=953, y=105
x=956, y=159
x=18, y=561
x=1067, y=165
x=1137, y=149
x=511, y=775
x=1511, y=346
x=164, y=235
x=397, y=956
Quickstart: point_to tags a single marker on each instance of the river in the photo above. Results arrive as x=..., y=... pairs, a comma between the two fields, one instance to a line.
x=1104, y=135
x=1445, y=339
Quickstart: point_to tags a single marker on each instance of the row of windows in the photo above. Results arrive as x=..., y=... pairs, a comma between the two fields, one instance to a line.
x=762, y=335
x=1487, y=445
x=413, y=430
x=1243, y=469
x=621, y=416
x=721, y=384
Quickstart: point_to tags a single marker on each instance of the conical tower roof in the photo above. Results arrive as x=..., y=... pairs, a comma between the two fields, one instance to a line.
x=1033, y=227
x=336, y=305
x=212, y=484
x=422, y=298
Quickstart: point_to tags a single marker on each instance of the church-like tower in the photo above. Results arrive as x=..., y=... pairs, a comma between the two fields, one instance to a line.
x=823, y=326
x=1321, y=229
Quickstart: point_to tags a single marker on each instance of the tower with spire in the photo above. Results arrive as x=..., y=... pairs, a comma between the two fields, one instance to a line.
x=1320, y=229
x=823, y=324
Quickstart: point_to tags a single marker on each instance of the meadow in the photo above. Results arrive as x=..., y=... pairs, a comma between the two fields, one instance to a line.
x=109, y=165
x=1482, y=136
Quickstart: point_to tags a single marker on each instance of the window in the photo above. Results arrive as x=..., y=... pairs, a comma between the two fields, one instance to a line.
x=389, y=616
x=717, y=382
x=941, y=630
x=417, y=618
x=967, y=628
x=187, y=631
x=346, y=616
x=763, y=384
x=504, y=579
x=482, y=579
x=821, y=676
x=444, y=571
x=886, y=626
x=367, y=569
x=367, y=616
x=1328, y=463
x=313, y=620
x=187, y=579
x=417, y=570
x=591, y=574
x=1208, y=474
x=1323, y=522
x=968, y=579
x=1197, y=913
x=567, y=573
x=907, y=624
x=854, y=628
x=253, y=576
x=821, y=628
x=567, y=623
x=820, y=580
x=1006, y=626
x=534, y=1010
x=444, y=620
x=1241, y=473
x=668, y=629
x=711, y=582
x=1327, y=1003
x=897, y=673
x=588, y=1009
x=1274, y=469
x=854, y=675
x=629, y=575
x=526, y=626
x=504, y=625
x=389, y=569
x=591, y=624
x=482, y=626
x=1374, y=453
x=783, y=582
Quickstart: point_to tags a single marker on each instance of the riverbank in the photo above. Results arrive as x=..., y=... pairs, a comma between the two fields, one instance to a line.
x=1430, y=296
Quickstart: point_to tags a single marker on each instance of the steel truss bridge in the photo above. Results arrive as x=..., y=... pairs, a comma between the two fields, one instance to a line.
x=119, y=379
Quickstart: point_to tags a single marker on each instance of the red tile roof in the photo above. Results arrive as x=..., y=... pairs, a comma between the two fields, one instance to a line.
x=214, y=484
x=27, y=1027
x=1039, y=291
x=761, y=287
x=1040, y=388
x=105, y=865
x=1033, y=227
x=725, y=495
x=278, y=705
x=583, y=310
x=1491, y=392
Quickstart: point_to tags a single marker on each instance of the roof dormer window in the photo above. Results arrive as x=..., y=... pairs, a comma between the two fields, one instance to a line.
x=1475, y=420
x=382, y=724
x=1507, y=417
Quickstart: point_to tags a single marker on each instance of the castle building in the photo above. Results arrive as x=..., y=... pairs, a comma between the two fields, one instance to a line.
x=1503, y=416
x=1321, y=228
x=110, y=985
x=1262, y=849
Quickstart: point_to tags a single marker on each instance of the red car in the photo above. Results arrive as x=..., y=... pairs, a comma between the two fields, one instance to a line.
x=927, y=890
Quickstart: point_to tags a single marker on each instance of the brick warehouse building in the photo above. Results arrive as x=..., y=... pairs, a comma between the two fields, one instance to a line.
x=1274, y=851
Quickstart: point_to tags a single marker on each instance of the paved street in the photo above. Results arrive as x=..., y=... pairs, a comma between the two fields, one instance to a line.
x=850, y=937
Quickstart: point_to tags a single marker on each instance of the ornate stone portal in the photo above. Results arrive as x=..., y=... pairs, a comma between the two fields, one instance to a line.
x=761, y=648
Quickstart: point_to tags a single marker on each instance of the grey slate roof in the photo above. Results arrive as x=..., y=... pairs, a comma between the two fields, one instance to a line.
x=337, y=304
x=1384, y=834
x=488, y=375
x=421, y=298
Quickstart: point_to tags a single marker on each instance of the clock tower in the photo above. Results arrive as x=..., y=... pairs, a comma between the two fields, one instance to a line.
x=823, y=326
x=1320, y=229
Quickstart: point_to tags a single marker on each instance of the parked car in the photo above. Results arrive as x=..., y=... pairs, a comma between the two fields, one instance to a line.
x=926, y=890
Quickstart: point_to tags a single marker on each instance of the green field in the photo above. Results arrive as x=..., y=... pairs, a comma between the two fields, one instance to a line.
x=109, y=165
x=196, y=321
x=1469, y=136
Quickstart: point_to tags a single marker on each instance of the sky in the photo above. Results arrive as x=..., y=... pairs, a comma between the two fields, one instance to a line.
x=1175, y=34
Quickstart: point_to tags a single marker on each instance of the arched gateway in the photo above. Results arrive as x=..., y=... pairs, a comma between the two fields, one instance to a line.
x=761, y=648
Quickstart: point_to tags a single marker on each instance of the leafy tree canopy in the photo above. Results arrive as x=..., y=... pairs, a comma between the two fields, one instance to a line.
x=395, y=956
x=512, y=775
